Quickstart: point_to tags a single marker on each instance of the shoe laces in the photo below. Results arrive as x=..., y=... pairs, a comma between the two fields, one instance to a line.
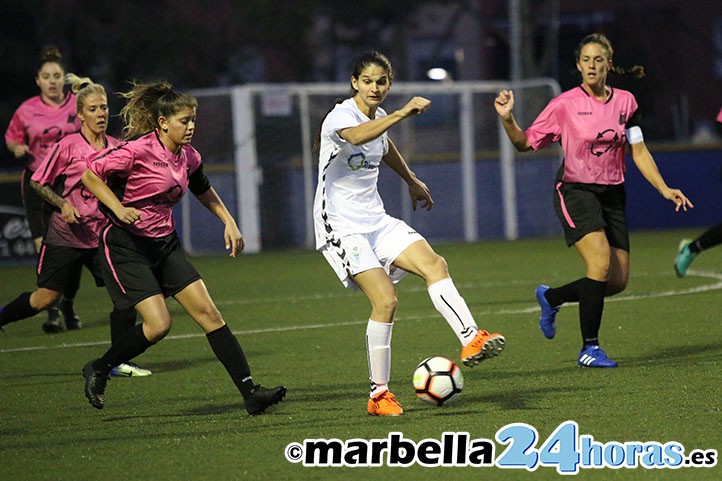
x=480, y=337
x=387, y=396
x=596, y=352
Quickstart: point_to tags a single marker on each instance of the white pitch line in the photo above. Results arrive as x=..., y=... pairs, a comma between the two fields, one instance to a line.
x=652, y=295
x=527, y=310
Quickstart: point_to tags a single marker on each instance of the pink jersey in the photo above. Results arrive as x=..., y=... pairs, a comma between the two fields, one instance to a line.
x=719, y=116
x=39, y=125
x=61, y=170
x=591, y=134
x=145, y=175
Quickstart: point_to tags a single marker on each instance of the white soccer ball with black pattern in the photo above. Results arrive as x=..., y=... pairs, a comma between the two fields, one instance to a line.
x=438, y=380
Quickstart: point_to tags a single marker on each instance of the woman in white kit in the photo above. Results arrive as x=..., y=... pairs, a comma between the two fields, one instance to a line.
x=367, y=248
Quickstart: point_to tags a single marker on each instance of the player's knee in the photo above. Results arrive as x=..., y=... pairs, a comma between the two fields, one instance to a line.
x=386, y=305
x=157, y=331
x=598, y=269
x=211, y=315
x=437, y=269
x=44, y=299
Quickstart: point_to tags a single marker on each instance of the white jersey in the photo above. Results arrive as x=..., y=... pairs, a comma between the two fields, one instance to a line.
x=347, y=198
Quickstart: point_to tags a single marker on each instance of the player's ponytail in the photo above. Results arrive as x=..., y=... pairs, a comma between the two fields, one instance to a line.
x=146, y=102
x=635, y=71
x=316, y=147
x=82, y=87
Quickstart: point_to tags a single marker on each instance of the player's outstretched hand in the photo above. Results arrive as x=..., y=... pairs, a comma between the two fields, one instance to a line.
x=504, y=103
x=415, y=106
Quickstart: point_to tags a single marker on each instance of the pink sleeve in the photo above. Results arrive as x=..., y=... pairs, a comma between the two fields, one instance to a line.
x=545, y=129
x=719, y=116
x=16, y=131
x=47, y=171
x=194, y=159
x=117, y=160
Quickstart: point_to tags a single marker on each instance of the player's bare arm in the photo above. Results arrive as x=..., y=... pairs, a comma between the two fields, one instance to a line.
x=68, y=211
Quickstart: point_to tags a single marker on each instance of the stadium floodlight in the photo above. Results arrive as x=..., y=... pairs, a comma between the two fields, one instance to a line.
x=438, y=73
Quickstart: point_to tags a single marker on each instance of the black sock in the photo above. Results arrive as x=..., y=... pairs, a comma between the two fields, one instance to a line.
x=131, y=344
x=556, y=296
x=227, y=349
x=66, y=307
x=71, y=288
x=17, y=309
x=53, y=314
x=710, y=238
x=72, y=284
x=591, y=305
x=121, y=321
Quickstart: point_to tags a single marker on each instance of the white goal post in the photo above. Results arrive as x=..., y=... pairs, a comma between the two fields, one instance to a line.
x=273, y=126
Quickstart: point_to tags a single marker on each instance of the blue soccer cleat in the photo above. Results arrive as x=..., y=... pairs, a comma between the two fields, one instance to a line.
x=548, y=313
x=684, y=258
x=594, y=356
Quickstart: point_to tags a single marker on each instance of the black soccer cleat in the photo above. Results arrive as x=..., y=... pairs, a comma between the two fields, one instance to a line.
x=72, y=323
x=95, y=382
x=53, y=326
x=261, y=398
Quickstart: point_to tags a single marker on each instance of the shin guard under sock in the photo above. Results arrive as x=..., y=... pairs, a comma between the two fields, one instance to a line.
x=591, y=306
x=228, y=350
x=18, y=309
x=121, y=321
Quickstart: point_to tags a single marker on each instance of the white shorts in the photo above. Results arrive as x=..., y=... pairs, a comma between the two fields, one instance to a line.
x=357, y=253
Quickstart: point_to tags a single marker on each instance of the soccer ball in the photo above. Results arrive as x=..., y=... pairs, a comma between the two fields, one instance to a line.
x=438, y=380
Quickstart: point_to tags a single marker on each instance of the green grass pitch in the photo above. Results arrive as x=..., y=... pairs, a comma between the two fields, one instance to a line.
x=299, y=327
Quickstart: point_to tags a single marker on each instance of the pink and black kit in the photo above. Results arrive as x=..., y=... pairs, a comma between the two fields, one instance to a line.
x=67, y=247
x=145, y=258
x=589, y=189
x=39, y=125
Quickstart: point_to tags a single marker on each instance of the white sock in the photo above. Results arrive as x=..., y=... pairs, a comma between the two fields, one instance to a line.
x=378, y=350
x=452, y=306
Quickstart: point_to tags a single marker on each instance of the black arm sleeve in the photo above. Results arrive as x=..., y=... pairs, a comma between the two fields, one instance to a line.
x=635, y=120
x=198, y=182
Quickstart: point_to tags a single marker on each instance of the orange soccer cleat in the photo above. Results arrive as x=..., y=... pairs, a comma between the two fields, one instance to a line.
x=483, y=346
x=385, y=404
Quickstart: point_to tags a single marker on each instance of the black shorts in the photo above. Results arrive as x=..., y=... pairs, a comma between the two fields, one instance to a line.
x=37, y=210
x=58, y=264
x=135, y=268
x=585, y=208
